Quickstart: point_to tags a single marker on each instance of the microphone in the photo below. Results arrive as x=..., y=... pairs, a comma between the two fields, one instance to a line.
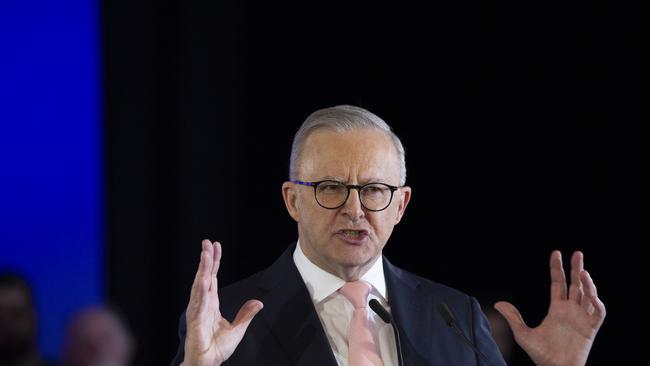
x=385, y=316
x=449, y=318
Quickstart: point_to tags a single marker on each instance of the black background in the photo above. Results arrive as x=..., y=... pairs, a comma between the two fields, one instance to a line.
x=520, y=121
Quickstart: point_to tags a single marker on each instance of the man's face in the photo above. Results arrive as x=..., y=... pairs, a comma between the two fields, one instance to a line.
x=346, y=241
x=17, y=324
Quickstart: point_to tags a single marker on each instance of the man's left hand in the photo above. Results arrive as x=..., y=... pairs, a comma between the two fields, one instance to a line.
x=565, y=336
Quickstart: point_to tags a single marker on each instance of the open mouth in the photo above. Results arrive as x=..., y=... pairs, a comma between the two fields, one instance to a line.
x=353, y=236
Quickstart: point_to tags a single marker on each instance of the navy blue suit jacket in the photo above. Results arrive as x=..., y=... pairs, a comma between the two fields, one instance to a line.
x=287, y=331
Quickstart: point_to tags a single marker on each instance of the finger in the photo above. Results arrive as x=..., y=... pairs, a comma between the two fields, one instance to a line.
x=201, y=283
x=246, y=314
x=513, y=317
x=577, y=266
x=216, y=263
x=216, y=257
x=588, y=288
x=588, y=284
x=558, y=280
x=599, y=311
x=590, y=301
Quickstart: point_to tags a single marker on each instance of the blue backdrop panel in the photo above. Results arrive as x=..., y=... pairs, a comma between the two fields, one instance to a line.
x=51, y=156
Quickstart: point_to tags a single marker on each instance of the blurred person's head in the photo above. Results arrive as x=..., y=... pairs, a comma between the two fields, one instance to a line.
x=97, y=336
x=18, y=323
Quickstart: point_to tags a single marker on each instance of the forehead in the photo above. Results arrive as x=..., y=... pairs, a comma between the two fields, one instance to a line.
x=361, y=154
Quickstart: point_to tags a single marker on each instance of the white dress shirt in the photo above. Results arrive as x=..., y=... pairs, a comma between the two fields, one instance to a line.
x=335, y=311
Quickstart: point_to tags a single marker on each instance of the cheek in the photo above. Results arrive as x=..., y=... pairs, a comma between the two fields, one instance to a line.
x=383, y=224
x=315, y=218
x=392, y=214
x=304, y=206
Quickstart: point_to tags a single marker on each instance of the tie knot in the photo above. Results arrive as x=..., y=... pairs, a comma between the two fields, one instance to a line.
x=356, y=292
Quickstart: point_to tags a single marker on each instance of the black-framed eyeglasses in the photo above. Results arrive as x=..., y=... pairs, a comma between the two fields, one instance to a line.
x=333, y=194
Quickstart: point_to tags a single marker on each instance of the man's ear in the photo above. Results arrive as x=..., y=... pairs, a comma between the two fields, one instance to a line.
x=290, y=195
x=404, y=198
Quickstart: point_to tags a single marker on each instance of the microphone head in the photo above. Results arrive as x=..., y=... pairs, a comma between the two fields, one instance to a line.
x=380, y=310
x=447, y=315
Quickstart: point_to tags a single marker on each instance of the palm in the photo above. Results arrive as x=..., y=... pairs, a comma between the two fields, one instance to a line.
x=211, y=338
x=567, y=332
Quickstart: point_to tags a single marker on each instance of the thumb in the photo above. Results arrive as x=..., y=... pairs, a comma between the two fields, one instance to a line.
x=246, y=314
x=513, y=317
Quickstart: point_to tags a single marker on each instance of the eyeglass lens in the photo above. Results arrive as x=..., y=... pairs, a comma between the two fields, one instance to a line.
x=331, y=194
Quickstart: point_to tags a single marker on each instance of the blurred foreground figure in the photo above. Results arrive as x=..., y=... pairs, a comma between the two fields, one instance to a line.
x=97, y=336
x=18, y=324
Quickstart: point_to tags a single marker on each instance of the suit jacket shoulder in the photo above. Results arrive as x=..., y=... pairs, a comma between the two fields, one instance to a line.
x=426, y=338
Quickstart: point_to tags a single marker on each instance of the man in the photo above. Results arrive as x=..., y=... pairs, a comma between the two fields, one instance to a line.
x=18, y=324
x=98, y=336
x=347, y=192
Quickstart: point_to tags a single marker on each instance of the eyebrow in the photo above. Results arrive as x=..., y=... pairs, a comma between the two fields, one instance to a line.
x=329, y=177
x=338, y=179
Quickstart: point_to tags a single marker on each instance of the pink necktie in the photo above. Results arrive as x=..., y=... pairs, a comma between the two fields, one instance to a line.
x=362, y=350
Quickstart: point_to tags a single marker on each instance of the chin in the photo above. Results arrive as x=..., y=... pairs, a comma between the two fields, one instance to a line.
x=353, y=259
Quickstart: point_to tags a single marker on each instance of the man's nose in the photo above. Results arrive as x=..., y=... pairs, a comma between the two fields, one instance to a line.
x=352, y=207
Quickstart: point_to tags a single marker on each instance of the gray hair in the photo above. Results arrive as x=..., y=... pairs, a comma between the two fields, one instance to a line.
x=340, y=119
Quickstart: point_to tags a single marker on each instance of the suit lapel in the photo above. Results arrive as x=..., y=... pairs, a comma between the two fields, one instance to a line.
x=410, y=311
x=291, y=316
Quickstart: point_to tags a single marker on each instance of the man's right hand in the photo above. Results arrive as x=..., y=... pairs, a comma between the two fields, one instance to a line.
x=210, y=338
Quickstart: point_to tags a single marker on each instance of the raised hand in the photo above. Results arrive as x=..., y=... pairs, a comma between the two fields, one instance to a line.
x=210, y=338
x=567, y=332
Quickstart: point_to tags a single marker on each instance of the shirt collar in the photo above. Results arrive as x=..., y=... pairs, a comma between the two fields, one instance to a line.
x=322, y=284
